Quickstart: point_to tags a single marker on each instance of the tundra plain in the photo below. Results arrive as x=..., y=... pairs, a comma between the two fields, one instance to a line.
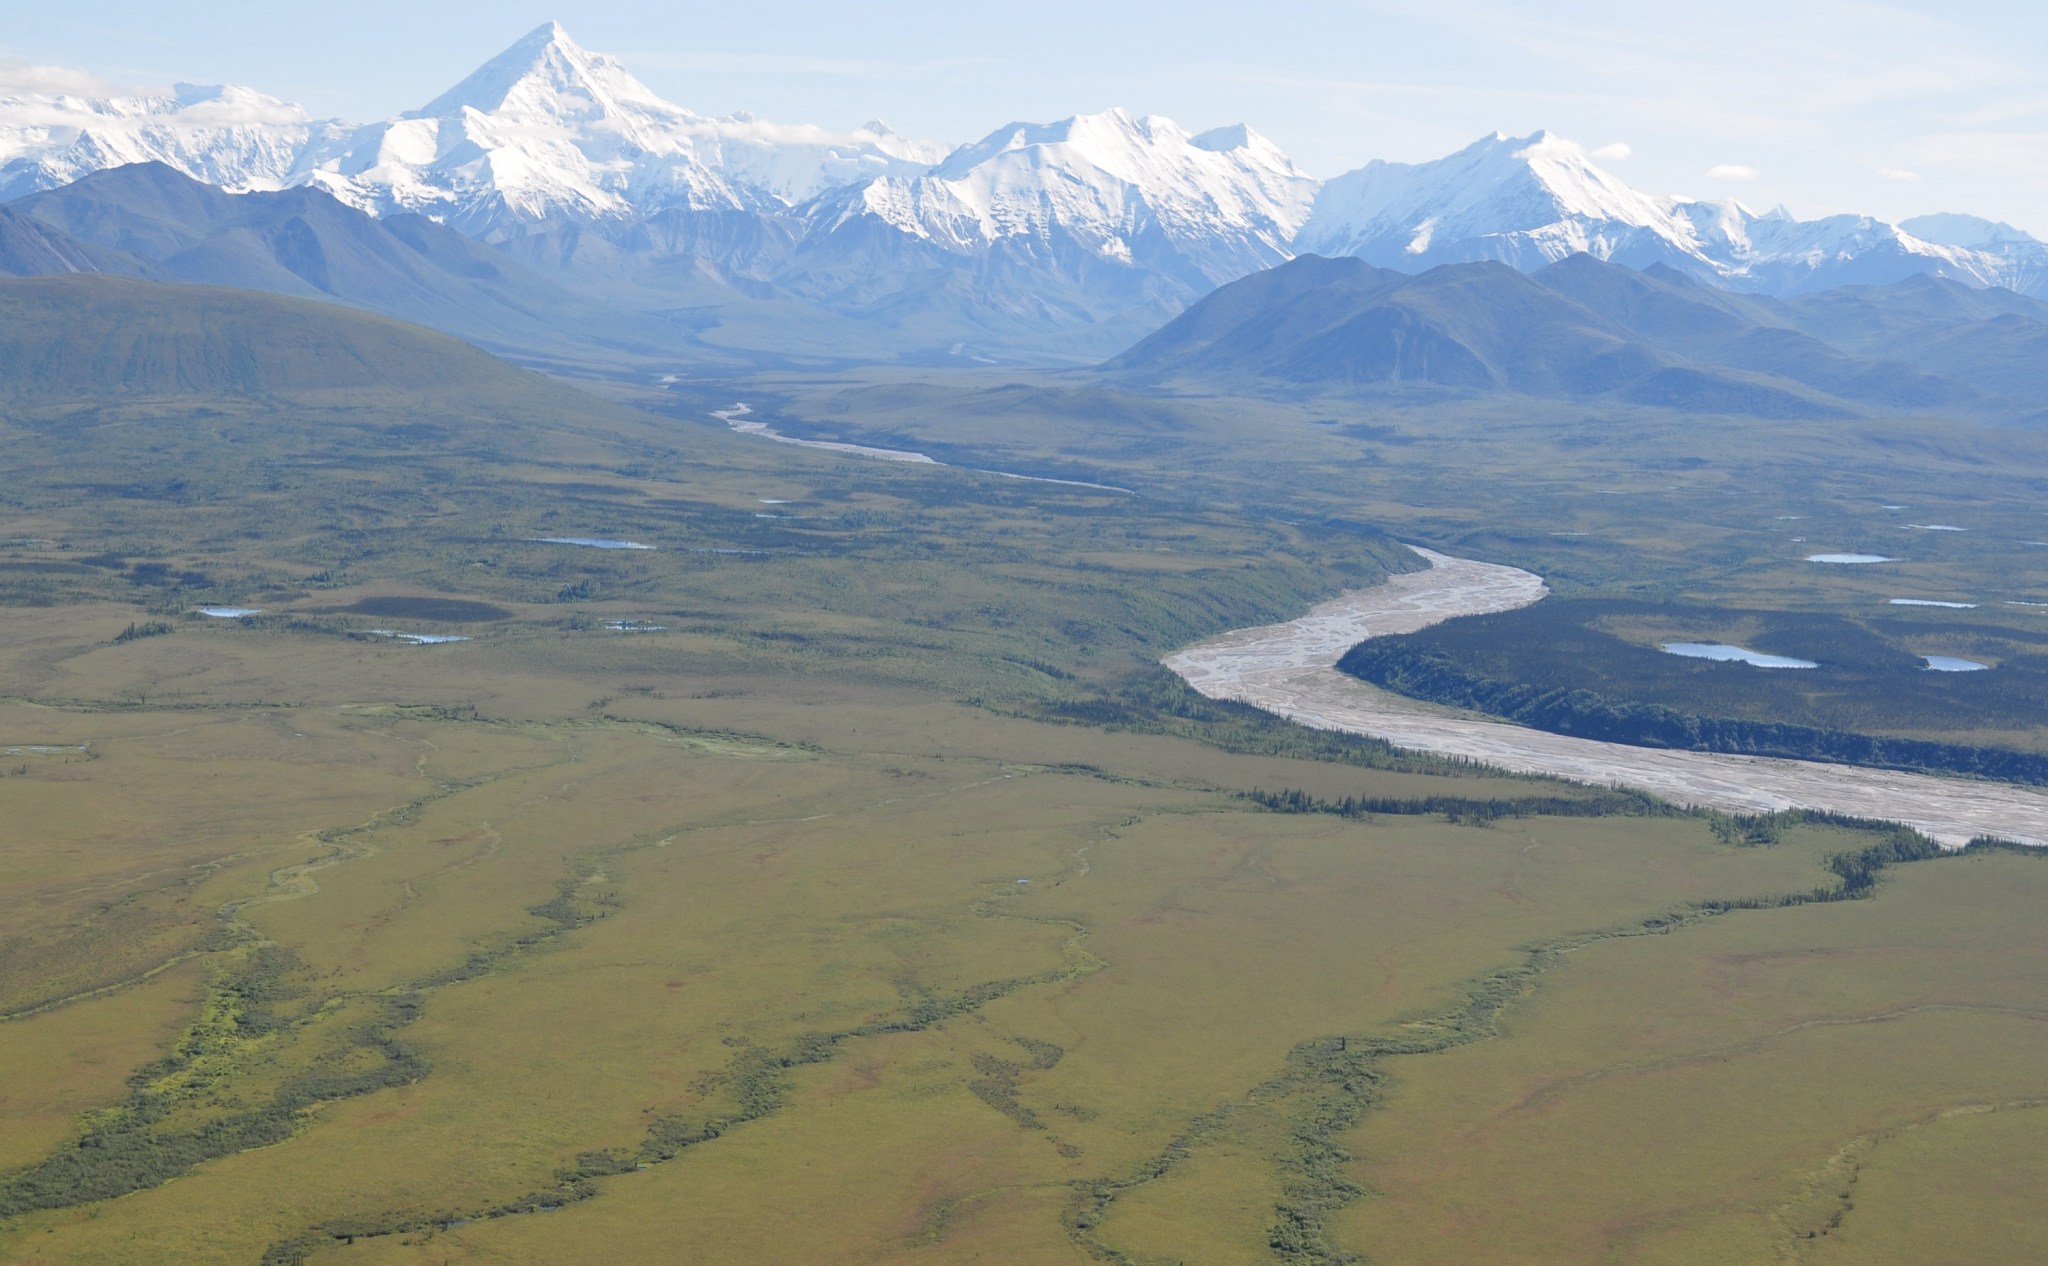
x=889, y=903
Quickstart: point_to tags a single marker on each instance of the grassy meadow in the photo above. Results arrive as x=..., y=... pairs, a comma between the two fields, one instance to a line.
x=882, y=904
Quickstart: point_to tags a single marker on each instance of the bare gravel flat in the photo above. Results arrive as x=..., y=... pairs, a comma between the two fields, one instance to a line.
x=1290, y=669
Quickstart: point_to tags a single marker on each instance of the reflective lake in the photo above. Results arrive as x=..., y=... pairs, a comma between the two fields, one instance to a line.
x=418, y=639
x=590, y=542
x=1739, y=654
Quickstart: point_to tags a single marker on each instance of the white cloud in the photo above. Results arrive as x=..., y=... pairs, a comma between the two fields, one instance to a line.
x=1898, y=173
x=1614, y=152
x=1732, y=171
x=24, y=79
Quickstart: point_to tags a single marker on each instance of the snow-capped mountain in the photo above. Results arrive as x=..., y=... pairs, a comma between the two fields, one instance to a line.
x=1530, y=201
x=1525, y=202
x=548, y=130
x=1134, y=191
x=545, y=130
x=235, y=138
x=1074, y=233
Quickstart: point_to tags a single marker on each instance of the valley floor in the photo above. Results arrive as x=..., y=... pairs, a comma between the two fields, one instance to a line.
x=842, y=881
x=767, y=967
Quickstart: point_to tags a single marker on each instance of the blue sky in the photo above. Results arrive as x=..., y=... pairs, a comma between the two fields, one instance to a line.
x=1892, y=108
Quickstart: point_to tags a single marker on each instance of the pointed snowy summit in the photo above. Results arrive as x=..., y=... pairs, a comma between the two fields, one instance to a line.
x=548, y=75
x=550, y=131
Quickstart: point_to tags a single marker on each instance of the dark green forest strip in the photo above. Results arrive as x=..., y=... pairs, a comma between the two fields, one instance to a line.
x=1435, y=676
x=134, y=1148
x=1463, y=809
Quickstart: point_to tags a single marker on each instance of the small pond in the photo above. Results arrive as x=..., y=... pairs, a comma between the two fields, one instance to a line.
x=1737, y=654
x=1849, y=558
x=588, y=542
x=1951, y=664
x=418, y=639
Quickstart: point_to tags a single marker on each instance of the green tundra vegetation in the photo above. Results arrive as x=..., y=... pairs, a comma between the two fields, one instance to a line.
x=849, y=884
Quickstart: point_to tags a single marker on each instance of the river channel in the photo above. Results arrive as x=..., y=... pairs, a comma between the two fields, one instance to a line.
x=1291, y=669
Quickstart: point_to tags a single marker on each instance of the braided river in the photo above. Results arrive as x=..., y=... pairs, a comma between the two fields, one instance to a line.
x=1291, y=669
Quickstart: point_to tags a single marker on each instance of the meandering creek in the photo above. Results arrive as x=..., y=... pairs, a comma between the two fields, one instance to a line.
x=737, y=418
x=1290, y=669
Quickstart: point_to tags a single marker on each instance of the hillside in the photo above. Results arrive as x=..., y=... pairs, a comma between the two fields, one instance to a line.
x=87, y=337
x=147, y=219
x=30, y=248
x=1585, y=329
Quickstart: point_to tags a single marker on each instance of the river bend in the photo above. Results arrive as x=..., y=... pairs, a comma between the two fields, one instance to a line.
x=1291, y=669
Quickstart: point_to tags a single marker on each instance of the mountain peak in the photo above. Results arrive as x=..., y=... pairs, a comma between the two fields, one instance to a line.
x=535, y=44
x=1133, y=192
x=1526, y=200
x=547, y=74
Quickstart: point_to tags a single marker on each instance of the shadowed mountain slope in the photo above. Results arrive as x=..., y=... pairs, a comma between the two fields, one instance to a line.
x=1586, y=329
x=1324, y=323
x=30, y=248
x=147, y=219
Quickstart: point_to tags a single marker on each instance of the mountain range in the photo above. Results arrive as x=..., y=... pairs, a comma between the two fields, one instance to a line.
x=1064, y=240
x=1531, y=201
x=1587, y=329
